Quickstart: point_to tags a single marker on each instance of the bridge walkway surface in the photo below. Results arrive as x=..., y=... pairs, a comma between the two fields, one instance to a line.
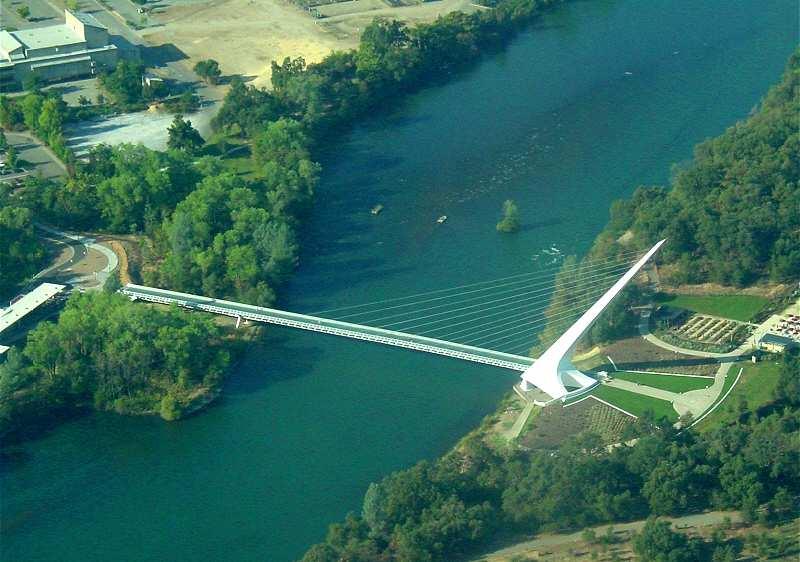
x=328, y=326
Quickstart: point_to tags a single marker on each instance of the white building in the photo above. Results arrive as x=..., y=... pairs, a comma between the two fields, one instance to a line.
x=78, y=47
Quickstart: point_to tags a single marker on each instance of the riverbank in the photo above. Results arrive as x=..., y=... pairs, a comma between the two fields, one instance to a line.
x=328, y=416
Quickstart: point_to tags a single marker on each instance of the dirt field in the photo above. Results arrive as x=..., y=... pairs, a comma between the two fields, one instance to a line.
x=245, y=36
x=637, y=354
x=556, y=423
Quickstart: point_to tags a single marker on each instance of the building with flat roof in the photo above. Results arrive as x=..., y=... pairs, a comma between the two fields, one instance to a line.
x=775, y=343
x=78, y=47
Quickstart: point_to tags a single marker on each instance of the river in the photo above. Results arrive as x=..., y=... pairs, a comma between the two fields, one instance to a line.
x=597, y=99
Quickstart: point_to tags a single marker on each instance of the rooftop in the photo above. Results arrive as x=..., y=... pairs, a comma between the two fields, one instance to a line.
x=27, y=304
x=45, y=37
x=7, y=42
x=777, y=339
x=87, y=19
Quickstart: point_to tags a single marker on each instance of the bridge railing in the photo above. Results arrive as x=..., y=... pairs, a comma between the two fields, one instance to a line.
x=332, y=327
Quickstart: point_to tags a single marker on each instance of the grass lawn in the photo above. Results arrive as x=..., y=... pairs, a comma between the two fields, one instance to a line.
x=636, y=404
x=755, y=387
x=671, y=383
x=735, y=307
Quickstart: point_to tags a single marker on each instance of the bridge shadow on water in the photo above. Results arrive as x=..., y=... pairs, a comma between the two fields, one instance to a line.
x=277, y=356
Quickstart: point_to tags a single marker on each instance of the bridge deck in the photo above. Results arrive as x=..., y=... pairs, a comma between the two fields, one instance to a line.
x=327, y=326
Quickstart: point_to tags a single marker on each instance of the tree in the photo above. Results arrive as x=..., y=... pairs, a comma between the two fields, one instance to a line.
x=3, y=140
x=208, y=70
x=124, y=83
x=658, y=543
x=510, y=220
x=182, y=136
x=788, y=386
x=83, y=101
x=24, y=12
x=11, y=116
x=11, y=157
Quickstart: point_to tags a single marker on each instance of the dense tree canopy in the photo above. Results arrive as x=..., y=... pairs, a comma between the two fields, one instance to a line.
x=182, y=136
x=21, y=254
x=391, y=58
x=732, y=216
x=122, y=189
x=439, y=510
x=115, y=355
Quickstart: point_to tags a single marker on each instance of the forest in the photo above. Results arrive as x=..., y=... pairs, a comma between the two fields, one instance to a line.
x=21, y=253
x=475, y=495
x=734, y=210
x=732, y=215
x=392, y=59
x=107, y=353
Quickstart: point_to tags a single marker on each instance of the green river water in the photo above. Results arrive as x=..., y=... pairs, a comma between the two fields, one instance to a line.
x=600, y=97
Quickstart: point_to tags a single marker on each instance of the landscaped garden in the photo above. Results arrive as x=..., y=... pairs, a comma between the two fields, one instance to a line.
x=735, y=307
x=672, y=383
x=636, y=404
x=755, y=388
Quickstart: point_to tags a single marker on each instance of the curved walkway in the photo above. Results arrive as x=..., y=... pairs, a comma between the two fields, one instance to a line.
x=644, y=330
x=111, y=258
x=695, y=402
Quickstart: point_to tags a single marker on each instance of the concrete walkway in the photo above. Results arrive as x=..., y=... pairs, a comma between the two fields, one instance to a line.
x=111, y=258
x=549, y=541
x=516, y=429
x=696, y=402
x=644, y=331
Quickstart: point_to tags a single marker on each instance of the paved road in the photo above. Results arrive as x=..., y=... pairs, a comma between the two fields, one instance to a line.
x=549, y=541
x=81, y=246
x=40, y=157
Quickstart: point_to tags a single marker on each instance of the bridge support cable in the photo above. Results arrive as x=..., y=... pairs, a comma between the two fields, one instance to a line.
x=477, y=327
x=327, y=326
x=480, y=312
x=533, y=323
x=523, y=277
x=533, y=310
x=559, y=314
x=511, y=301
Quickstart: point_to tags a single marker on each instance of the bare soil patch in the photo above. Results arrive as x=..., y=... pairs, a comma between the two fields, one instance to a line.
x=557, y=423
x=637, y=354
x=245, y=36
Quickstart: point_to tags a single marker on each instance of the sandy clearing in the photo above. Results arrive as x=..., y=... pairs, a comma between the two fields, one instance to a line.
x=244, y=36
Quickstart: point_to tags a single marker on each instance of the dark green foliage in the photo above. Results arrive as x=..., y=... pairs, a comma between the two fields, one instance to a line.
x=510, y=220
x=658, y=543
x=11, y=116
x=124, y=188
x=438, y=511
x=208, y=70
x=124, y=83
x=115, y=355
x=182, y=136
x=732, y=216
x=21, y=254
x=788, y=387
x=43, y=114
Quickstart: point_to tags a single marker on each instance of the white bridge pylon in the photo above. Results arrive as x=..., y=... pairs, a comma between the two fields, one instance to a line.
x=553, y=370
